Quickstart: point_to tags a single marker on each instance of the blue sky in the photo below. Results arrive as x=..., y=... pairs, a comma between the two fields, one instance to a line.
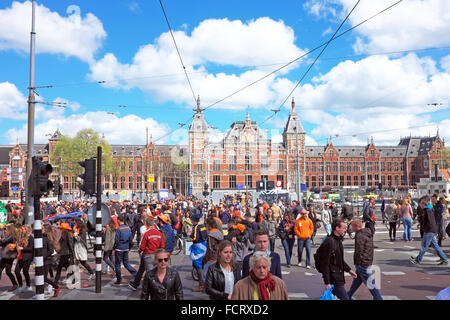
x=355, y=87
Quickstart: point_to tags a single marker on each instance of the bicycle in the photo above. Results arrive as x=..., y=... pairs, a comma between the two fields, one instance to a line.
x=350, y=231
x=178, y=244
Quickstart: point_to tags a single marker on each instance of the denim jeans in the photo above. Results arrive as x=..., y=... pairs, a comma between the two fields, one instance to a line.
x=407, y=224
x=122, y=257
x=140, y=272
x=302, y=244
x=363, y=275
x=429, y=238
x=288, y=245
x=340, y=292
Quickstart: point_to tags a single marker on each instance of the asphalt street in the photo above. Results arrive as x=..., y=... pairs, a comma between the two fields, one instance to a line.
x=399, y=279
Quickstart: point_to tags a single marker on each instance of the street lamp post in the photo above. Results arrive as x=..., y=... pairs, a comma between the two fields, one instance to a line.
x=298, y=165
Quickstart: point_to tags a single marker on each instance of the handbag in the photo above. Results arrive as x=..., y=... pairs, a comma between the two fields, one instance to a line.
x=328, y=294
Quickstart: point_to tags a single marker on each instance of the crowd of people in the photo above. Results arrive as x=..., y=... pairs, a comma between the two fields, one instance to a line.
x=233, y=243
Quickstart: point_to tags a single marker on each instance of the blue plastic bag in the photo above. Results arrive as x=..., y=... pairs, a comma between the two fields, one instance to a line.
x=328, y=294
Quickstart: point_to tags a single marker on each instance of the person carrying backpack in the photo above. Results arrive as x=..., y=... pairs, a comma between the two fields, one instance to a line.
x=392, y=216
x=329, y=260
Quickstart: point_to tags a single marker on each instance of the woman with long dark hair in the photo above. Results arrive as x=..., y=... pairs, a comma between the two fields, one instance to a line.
x=110, y=236
x=223, y=275
x=66, y=252
x=49, y=248
x=25, y=249
x=287, y=236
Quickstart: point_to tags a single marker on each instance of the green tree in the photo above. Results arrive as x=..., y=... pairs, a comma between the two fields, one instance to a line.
x=69, y=151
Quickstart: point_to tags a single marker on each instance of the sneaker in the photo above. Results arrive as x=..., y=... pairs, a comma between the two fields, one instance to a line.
x=118, y=282
x=288, y=265
x=91, y=277
x=57, y=291
x=19, y=289
x=130, y=284
x=443, y=262
x=299, y=264
x=414, y=261
x=27, y=289
x=308, y=267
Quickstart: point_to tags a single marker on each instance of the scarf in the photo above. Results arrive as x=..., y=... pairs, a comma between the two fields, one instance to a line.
x=263, y=285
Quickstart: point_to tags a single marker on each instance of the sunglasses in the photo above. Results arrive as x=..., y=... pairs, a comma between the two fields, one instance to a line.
x=161, y=260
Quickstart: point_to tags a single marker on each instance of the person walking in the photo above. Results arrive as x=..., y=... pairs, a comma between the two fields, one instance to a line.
x=271, y=226
x=406, y=214
x=122, y=245
x=212, y=242
x=439, y=213
x=363, y=259
x=383, y=209
x=198, y=249
x=392, y=216
x=49, y=248
x=262, y=244
x=162, y=282
x=331, y=260
x=152, y=240
x=110, y=236
x=369, y=214
x=166, y=229
x=313, y=216
x=25, y=249
x=326, y=219
x=80, y=247
x=287, y=236
x=223, y=275
x=66, y=252
x=429, y=235
x=9, y=253
x=304, y=229
x=260, y=284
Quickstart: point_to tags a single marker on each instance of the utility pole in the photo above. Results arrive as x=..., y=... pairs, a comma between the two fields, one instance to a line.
x=31, y=102
x=98, y=226
x=146, y=162
x=298, y=165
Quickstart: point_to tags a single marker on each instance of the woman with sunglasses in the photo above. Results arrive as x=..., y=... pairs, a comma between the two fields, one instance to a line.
x=162, y=282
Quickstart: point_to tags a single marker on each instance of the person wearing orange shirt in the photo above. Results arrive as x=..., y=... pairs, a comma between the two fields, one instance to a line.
x=304, y=229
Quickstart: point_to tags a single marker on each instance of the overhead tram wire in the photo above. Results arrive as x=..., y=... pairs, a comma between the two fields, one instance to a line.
x=289, y=63
x=168, y=75
x=178, y=51
x=312, y=64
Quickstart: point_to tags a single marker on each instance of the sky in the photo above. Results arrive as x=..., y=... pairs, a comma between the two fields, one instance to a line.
x=113, y=66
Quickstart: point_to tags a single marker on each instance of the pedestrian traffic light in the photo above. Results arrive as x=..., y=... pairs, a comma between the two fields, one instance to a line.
x=270, y=185
x=88, y=184
x=380, y=186
x=42, y=171
x=260, y=186
x=4, y=189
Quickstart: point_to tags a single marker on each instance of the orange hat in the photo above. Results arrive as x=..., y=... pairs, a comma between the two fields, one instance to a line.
x=238, y=213
x=163, y=218
x=65, y=226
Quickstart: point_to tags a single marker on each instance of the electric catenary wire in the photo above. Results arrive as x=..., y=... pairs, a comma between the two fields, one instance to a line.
x=178, y=51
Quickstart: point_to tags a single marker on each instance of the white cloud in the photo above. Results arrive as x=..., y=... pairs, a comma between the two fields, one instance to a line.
x=445, y=63
x=410, y=24
x=214, y=41
x=73, y=35
x=13, y=104
x=129, y=129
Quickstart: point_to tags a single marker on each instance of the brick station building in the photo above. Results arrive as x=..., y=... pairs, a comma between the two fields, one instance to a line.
x=245, y=155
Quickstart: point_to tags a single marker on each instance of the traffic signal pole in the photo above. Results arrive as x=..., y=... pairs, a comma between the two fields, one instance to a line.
x=98, y=225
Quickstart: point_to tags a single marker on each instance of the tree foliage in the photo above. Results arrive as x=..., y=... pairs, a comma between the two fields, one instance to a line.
x=69, y=151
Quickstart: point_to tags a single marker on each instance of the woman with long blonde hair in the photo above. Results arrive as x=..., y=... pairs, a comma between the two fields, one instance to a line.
x=9, y=253
x=49, y=249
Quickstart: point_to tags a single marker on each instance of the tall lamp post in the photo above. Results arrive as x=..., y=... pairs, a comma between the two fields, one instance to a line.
x=298, y=165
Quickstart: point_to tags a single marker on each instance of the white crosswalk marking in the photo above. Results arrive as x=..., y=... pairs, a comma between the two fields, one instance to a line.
x=393, y=273
x=6, y=295
x=390, y=298
x=298, y=295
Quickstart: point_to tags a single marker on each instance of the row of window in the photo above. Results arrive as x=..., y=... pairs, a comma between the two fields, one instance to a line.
x=354, y=166
x=335, y=180
x=248, y=164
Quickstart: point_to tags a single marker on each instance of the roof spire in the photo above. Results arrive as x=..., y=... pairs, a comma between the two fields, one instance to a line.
x=293, y=105
x=198, y=110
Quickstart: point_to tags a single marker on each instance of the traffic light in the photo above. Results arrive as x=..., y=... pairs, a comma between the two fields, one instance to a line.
x=380, y=186
x=260, y=185
x=42, y=171
x=57, y=189
x=88, y=186
x=270, y=184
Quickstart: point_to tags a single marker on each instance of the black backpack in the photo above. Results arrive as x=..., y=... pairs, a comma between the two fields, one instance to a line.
x=318, y=256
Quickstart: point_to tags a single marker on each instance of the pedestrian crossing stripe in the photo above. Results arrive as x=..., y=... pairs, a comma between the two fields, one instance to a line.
x=390, y=298
x=431, y=297
x=393, y=273
x=298, y=295
x=285, y=272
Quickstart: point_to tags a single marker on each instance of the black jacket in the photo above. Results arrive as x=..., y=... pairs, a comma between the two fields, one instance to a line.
x=170, y=289
x=6, y=253
x=66, y=244
x=47, y=249
x=28, y=251
x=363, y=255
x=347, y=211
x=335, y=266
x=429, y=221
x=215, y=282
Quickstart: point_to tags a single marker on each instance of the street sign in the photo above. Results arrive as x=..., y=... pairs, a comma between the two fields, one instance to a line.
x=14, y=188
x=150, y=178
x=163, y=194
x=279, y=183
x=190, y=189
x=239, y=186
